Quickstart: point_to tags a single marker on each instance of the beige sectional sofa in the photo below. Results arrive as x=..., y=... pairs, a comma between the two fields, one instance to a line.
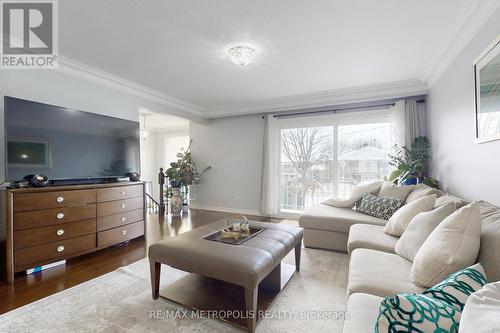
x=375, y=270
x=327, y=227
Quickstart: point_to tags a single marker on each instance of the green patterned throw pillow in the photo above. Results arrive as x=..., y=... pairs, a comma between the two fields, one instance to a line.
x=379, y=207
x=457, y=287
x=436, y=310
x=416, y=313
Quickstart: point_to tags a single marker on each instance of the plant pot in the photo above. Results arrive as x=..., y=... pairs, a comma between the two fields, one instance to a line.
x=176, y=201
x=175, y=183
x=410, y=181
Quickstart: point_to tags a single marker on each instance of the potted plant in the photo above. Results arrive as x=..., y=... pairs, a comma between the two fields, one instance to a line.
x=181, y=174
x=411, y=163
x=185, y=164
x=174, y=175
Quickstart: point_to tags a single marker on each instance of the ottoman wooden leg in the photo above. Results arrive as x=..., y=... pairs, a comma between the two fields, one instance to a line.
x=155, y=270
x=298, y=250
x=251, y=305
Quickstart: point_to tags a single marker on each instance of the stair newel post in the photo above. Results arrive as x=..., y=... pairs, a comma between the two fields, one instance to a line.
x=161, y=183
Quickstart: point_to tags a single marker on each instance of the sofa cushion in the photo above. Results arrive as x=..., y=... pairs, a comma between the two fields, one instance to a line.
x=324, y=217
x=416, y=313
x=422, y=190
x=481, y=311
x=452, y=246
x=403, y=216
x=393, y=191
x=356, y=195
x=419, y=229
x=382, y=208
x=489, y=253
x=363, y=313
x=379, y=273
x=442, y=200
x=366, y=236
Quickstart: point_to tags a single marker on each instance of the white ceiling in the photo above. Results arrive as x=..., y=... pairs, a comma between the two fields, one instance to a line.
x=312, y=49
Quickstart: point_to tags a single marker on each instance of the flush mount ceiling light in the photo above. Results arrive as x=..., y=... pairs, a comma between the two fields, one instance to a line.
x=241, y=53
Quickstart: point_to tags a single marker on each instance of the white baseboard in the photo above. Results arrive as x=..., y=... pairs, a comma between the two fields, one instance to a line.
x=243, y=211
x=230, y=210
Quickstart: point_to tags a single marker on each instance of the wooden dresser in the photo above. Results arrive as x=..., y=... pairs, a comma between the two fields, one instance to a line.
x=44, y=225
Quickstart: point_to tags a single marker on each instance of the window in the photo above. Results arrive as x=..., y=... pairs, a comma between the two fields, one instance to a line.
x=363, y=154
x=306, y=165
x=324, y=157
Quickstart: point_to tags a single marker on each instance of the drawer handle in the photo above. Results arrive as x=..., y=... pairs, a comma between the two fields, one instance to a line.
x=60, y=248
x=124, y=205
x=60, y=232
x=122, y=192
x=60, y=216
x=124, y=219
x=60, y=199
x=124, y=232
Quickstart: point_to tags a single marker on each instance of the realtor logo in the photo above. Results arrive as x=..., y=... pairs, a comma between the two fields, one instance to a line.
x=29, y=35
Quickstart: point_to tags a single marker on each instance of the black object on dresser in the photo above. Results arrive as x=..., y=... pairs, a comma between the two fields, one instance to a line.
x=48, y=224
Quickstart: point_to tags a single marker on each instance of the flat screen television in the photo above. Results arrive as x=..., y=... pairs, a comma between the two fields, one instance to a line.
x=66, y=144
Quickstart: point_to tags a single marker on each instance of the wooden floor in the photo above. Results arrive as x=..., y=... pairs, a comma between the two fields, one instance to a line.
x=29, y=288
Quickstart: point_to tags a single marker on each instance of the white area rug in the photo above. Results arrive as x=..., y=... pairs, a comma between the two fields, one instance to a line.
x=121, y=302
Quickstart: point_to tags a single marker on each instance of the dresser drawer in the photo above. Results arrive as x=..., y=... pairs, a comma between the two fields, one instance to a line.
x=40, y=254
x=57, y=199
x=120, y=192
x=54, y=216
x=120, y=234
x=113, y=221
x=32, y=237
x=119, y=206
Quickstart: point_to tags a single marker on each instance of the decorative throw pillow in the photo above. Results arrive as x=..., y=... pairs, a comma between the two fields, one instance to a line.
x=422, y=190
x=444, y=199
x=416, y=313
x=390, y=190
x=400, y=220
x=456, y=288
x=383, y=208
x=356, y=195
x=437, y=309
x=419, y=229
x=481, y=311
x=453, y=245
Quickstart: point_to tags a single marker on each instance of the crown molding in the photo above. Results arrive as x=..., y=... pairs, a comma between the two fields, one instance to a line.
x=472, y=17
x=85, y=72
x=365, y=93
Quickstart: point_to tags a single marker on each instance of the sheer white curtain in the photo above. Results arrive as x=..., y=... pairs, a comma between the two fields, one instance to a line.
x=398, y=117
x=415, y=125
x=409, y=119
x=269, y=182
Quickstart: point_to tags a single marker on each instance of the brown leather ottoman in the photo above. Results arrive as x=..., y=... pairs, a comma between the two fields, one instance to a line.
x=249, y=264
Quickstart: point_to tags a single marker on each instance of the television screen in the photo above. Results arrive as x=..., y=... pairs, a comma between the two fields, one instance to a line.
x=66, y=144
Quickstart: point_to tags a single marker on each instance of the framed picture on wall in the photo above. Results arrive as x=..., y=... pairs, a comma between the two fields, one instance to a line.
x=487, y=93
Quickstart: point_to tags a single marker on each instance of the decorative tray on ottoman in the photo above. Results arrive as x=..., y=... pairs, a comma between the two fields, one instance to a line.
x=217, y=237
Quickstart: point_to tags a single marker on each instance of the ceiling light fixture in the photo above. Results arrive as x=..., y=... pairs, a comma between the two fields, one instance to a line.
x=241, y=54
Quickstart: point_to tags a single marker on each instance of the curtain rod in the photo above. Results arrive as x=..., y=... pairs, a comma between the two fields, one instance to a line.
x=337, y=109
